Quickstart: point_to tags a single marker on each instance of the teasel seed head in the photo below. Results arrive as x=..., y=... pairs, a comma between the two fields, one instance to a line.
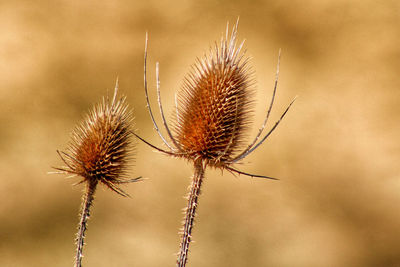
x=101, y=147
x=215, y=104
x=214, y=108
x=211, y=120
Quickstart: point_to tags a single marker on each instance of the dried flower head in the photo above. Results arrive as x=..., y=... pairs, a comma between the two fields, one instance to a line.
x=213, y=108
x=101, y=148
x=214, y=105
x=100, y=151
x=212, y=115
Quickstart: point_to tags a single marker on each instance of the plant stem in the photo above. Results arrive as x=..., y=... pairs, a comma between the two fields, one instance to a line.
x=190, y=212
x=85, y=214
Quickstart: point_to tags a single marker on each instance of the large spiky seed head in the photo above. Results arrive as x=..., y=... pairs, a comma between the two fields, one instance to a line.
x=214, y=104
x=101, y=146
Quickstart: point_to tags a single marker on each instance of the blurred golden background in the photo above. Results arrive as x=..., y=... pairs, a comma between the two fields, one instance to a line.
x=337, y=151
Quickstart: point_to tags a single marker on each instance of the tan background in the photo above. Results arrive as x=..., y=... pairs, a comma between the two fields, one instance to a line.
x=337, y=151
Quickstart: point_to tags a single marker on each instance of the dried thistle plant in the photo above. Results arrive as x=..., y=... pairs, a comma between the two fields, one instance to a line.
x=100, y=152
x=212, y=116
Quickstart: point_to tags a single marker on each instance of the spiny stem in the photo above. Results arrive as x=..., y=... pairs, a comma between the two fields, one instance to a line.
x=85, y=214
x=190, y=212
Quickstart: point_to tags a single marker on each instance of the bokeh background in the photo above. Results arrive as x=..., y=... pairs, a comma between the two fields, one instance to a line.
x=337, y=152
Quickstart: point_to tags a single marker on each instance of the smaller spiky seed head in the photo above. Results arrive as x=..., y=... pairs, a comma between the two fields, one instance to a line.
x=101, y=146
x=214, y=104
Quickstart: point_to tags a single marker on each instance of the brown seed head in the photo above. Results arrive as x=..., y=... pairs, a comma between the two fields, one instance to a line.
x=215, y=103
x=214, y=106
x=101, y=148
